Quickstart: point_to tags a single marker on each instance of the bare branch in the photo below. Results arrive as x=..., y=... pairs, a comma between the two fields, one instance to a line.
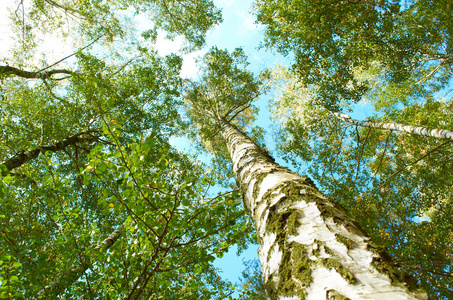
x=383, y=153
x=81, y=49
x=361, y=154
x=66, y=9
x=428, y=76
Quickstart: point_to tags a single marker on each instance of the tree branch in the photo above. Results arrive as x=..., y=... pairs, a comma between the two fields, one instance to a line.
x=361, y=154
x=7, y=70
x=22, y=157
x=383, y=153
x=66, y=9
x=81, y=49
x=412, y=163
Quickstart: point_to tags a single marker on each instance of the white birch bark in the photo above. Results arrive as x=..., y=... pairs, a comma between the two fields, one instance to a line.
x=418, y=130
x=309, y=247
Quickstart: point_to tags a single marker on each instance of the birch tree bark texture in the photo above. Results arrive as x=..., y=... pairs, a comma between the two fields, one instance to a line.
x=417, y=130
x=310, y=248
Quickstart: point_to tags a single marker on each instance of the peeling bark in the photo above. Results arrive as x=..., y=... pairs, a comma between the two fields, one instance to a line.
x=418, y=130
x=22, y=157
x=71, y=276
x=310, y=248
x=7, y=70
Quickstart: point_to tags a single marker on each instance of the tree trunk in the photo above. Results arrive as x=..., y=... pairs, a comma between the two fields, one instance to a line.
x=72, y=275
x=310, y=248
x=418, y=130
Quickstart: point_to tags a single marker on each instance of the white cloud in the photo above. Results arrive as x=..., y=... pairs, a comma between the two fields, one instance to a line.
x=223, y=3
x=249, y=20
x=189, y=66
x=165, y=46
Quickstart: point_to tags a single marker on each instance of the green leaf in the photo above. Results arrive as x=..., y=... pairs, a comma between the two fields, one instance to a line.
x=86, y=178
x=8, y=179
x=185, y=202
x=102, y=167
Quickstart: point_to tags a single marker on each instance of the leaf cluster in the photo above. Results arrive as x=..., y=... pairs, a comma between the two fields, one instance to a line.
x=333, y=40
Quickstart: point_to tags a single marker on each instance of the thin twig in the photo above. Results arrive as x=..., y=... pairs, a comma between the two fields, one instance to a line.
x=412, y=163
x=383, y=153
x=361, y=154
x=56, y=63
x=426, y=270
x=124, y=66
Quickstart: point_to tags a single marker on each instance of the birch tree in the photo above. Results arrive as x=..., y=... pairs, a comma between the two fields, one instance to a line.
x=152, y=194
x=86, y=157
x=396, y=184
x=163, y=251
x=309, y=245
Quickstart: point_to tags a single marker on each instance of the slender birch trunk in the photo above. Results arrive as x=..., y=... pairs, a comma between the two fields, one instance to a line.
x=310, y=248
x=72, y=275
x=418, y=130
